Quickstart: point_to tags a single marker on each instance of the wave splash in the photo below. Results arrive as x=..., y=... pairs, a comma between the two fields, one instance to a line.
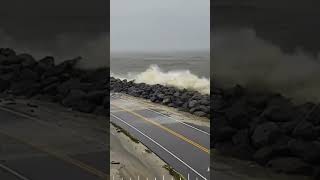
x=177, y=78
x=258, y=64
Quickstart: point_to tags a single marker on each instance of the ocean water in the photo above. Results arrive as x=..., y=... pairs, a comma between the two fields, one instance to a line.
x=189, y=70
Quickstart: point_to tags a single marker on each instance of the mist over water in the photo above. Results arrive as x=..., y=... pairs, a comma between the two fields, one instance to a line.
x=241, y=57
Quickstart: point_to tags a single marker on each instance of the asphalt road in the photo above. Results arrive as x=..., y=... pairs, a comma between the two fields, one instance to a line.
x=183, y=146
x=35, y=150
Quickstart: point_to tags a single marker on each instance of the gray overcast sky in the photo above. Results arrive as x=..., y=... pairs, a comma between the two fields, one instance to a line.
x=160, y=25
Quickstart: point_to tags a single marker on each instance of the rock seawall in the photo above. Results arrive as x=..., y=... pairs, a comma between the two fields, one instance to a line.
x=182, y=99
x=82, y=90
x=267, y=128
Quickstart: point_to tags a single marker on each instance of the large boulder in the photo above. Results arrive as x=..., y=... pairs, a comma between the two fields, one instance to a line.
x=66, y=86
x=242, y=137
x=278, y=149
x=308, y=151
x=279, y=113
x=314, y=116
x=27, y=74
x=85, y=106
x=46, y=62
x=26, y=88
x=96, y=96
x=7, y=52
x=49, y=81
x=74, y=97
x=193, y=103
x=265, y=134
x=68, y=64
x=305, y=129
x=222, y=132
x=10, y=60
x=28, y=61
x=237, y=115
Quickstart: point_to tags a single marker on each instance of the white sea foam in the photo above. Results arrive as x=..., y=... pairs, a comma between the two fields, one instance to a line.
x=177, y=78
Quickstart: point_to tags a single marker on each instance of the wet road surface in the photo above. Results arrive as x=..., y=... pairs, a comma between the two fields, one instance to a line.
x=183, y=146
x=32, y=149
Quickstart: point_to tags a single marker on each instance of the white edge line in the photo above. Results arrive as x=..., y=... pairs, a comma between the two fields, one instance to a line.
x=175, y=120
x=159, y=145
x=13, y=172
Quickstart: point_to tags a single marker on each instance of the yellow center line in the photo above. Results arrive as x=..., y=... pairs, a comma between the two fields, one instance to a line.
x=116, y=111
x=60, y=156
x=166, y=129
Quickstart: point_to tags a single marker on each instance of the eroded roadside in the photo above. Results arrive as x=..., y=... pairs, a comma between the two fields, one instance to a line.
x=132, y=160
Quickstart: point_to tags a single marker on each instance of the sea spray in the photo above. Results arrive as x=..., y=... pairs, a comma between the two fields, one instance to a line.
x=177, y=78
x=242, y=58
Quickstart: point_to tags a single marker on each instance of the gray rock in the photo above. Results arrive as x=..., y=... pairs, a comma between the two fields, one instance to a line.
x=69, y=64
x=265, y=134
x=305, y=129
x=308, y=151
x=84, y=106
x=74, y=97
x=176, y=94
x=160, y=96
x=66, y=86
x=28, y=74
x=166, y=100
x=205, y=109
x=224, y=133
x=27, y=60
x=278, y=113
x=205, y=102
x=46, y=62
x=10, y=60
x=96, y=96
x=264, y=154
x=7, y=52
x=241, y=137
x=192, y=103
x=26, y=88
x=51, y=89
x=237, y=115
